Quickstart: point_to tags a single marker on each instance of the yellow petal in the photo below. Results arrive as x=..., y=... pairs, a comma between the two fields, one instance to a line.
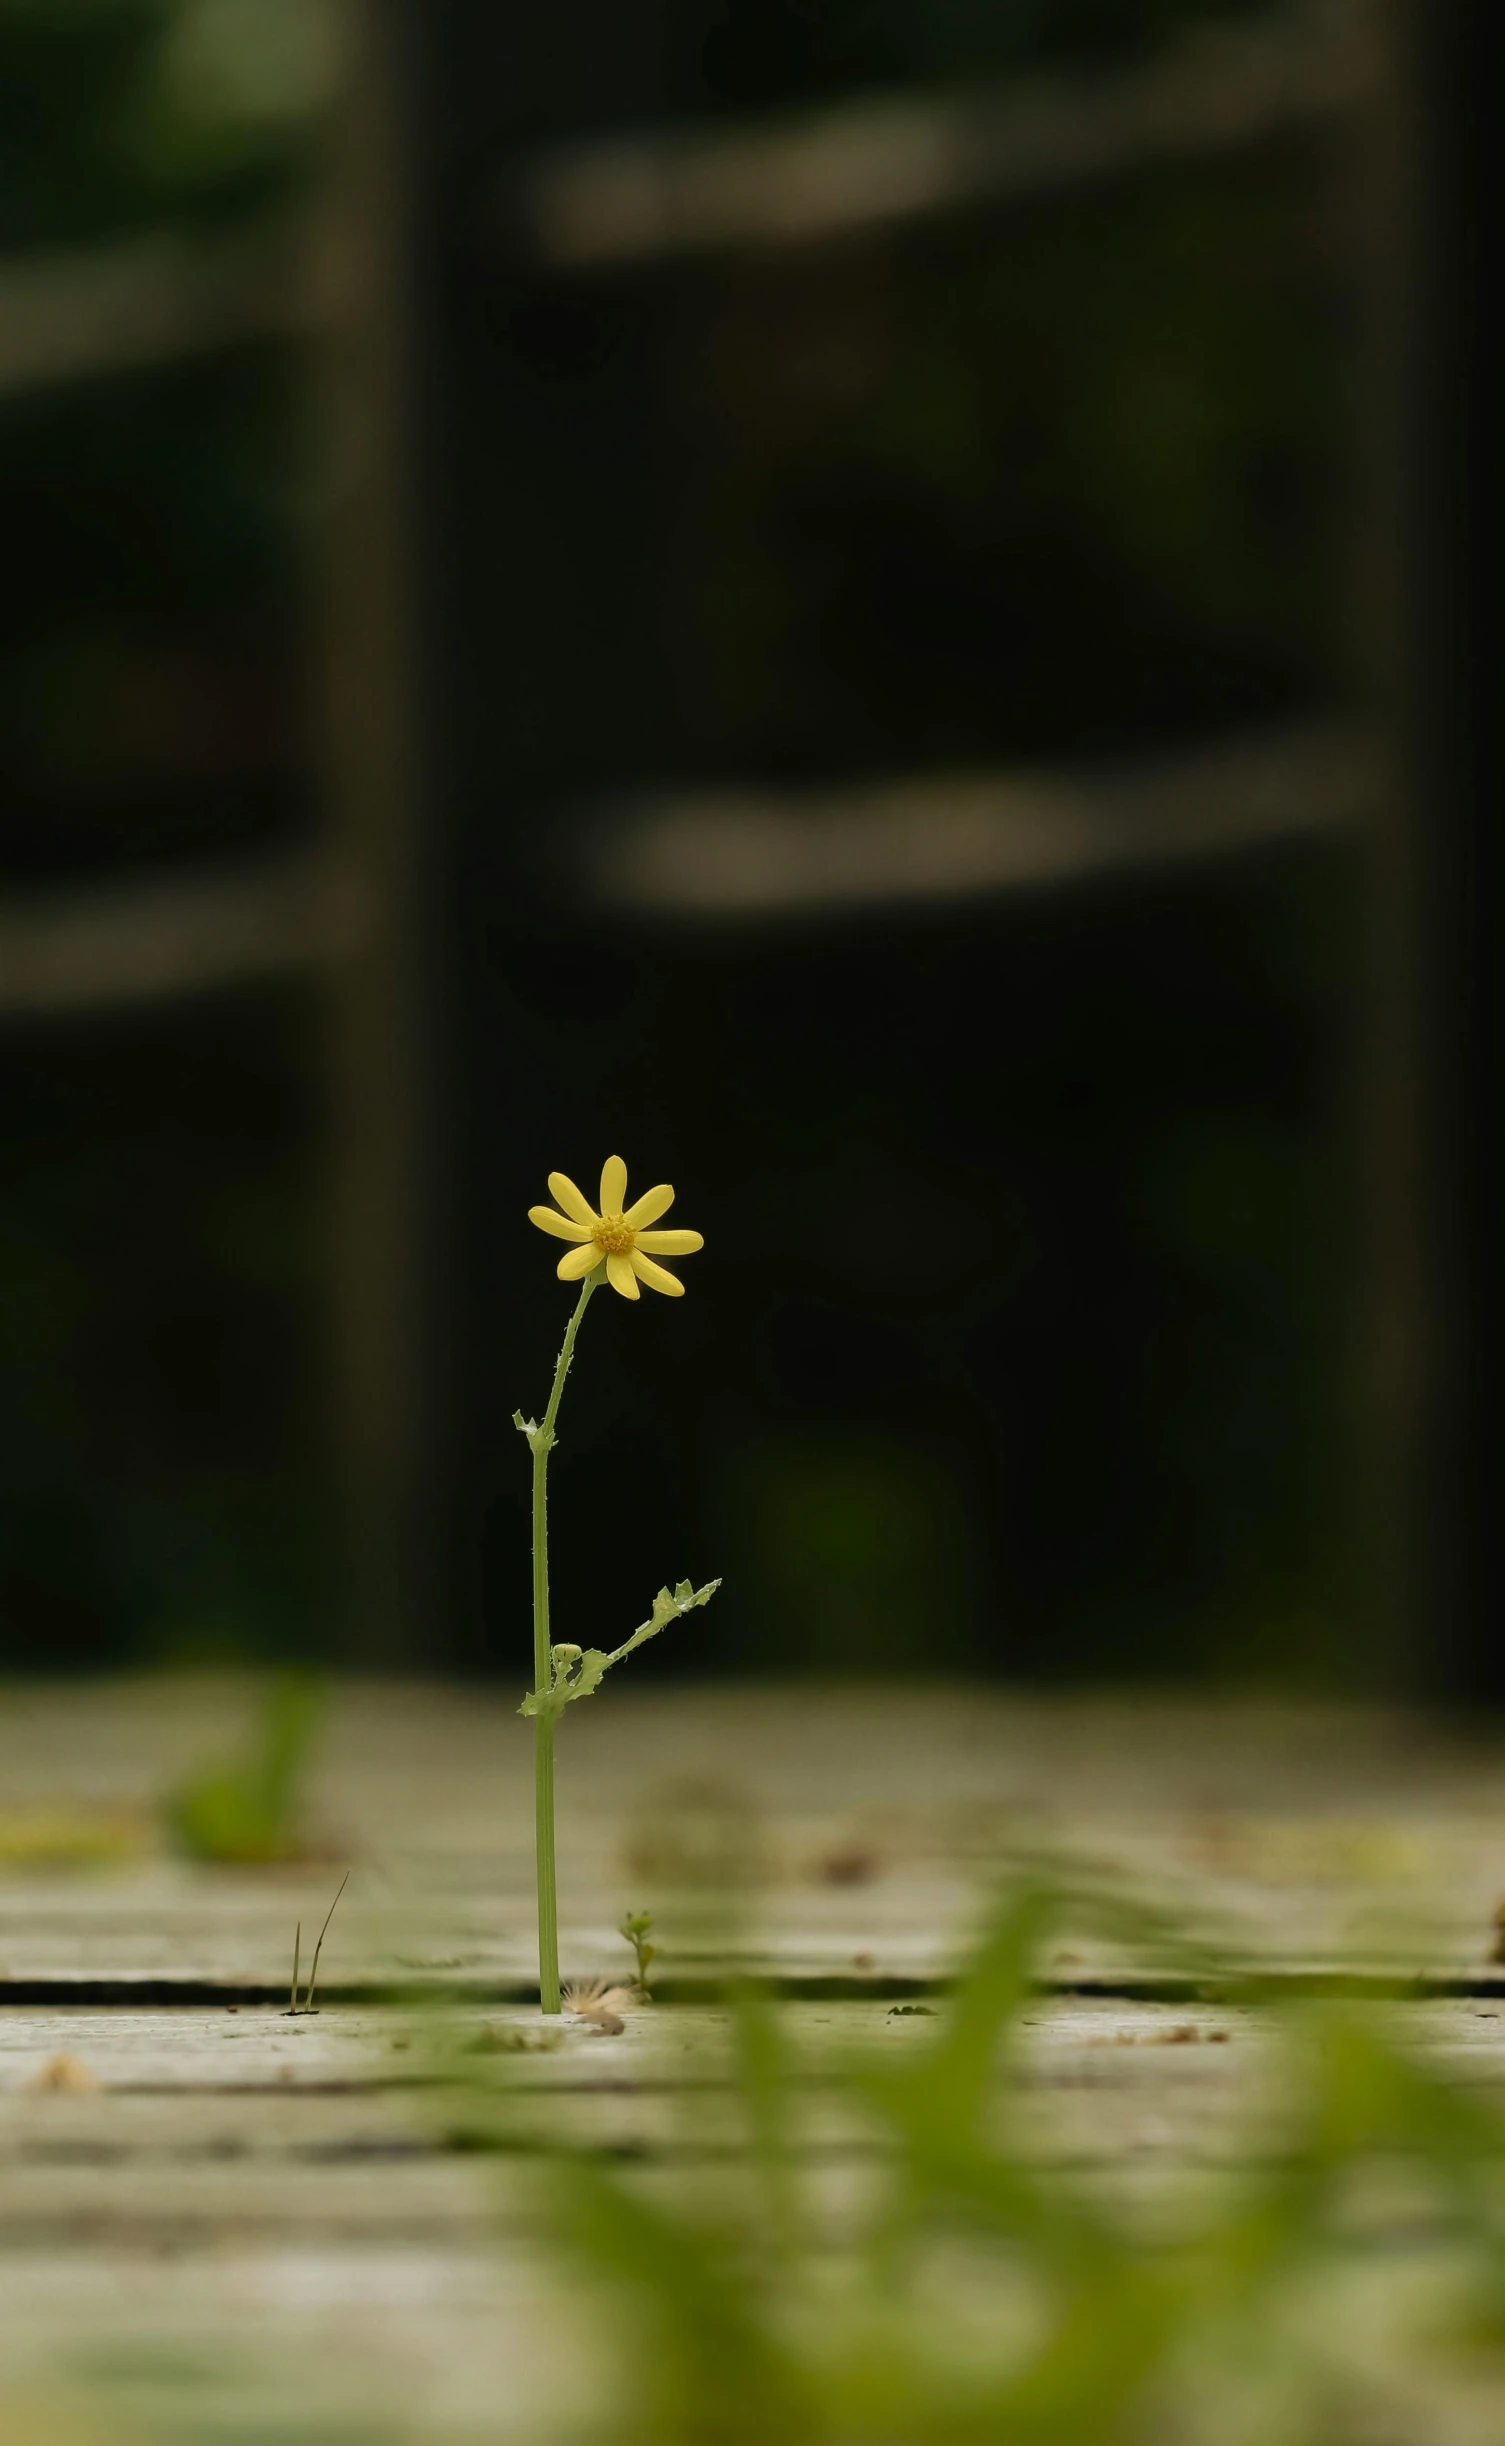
x=621, y=1277
x=671, y=1243
x=559, y=1225
x=657, y=1277
x=579, y=1263
x=650, y=1206
x=564, y=1193
x=613, y=1185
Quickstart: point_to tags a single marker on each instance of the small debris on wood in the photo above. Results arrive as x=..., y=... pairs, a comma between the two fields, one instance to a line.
x=508, y=2038
x=1173, y=2034
x=864, y=1961
x=66, y=2076
x=601, y=2005
x=849, y=1864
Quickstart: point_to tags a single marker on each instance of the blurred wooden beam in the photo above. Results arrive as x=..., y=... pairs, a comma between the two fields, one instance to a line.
x=735, y=854
x=1390, y=1326
x=946, y=837
x=83, y=313
x=878, y=162
x=131, y=944
x=1439, y=985
x=386, y=1169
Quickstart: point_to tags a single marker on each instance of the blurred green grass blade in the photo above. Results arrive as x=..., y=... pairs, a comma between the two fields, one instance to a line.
x=944, y=2094
x=712, y=2372
x=1114, y=2333
x=940, y=2109
x=249, y=1808
x=768, y=2086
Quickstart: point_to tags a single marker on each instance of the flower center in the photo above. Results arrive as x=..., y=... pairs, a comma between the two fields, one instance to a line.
x=613, y=1237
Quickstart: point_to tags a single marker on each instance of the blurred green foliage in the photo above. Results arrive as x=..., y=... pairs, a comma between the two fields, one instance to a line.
x=850, y=1550
x=947, y=2287
x=251, y=1808
x=125, y=114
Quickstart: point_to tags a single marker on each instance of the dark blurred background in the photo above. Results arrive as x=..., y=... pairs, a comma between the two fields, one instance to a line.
x=814, y=592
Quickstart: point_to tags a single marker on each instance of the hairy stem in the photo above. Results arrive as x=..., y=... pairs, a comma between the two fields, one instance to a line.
x=543, y=1730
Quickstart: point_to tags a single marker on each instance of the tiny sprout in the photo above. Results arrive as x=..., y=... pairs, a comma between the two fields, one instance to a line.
x=307, y=2006
x=637, y=1928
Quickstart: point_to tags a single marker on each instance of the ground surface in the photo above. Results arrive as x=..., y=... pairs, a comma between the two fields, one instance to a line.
x=220, y=2221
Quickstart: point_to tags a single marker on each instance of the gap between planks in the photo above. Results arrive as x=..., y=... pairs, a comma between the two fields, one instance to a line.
x=1172, y=1987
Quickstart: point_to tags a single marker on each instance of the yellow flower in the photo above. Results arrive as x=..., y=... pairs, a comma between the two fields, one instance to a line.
x=622, y=1238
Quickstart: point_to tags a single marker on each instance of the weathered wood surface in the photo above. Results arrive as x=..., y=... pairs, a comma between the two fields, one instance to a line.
x=1309, y=1839
x=261, y=2226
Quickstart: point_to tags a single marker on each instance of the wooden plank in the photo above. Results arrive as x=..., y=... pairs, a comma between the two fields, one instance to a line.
x=192, y=2127
x=139, y=944
x=876, y=163
x=198, y=2249
x=379, y=647
x=87, y=312
x=950, y=836
x=1308, y=1839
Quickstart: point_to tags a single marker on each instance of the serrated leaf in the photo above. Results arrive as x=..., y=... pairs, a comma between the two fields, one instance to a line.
x=587, y=1674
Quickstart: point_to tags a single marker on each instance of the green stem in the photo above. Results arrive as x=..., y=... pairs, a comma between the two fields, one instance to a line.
x=543, y=1730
